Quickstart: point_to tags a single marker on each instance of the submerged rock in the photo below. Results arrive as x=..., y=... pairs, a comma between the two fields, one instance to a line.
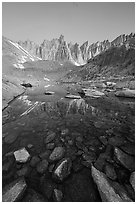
x=50, y=137
x=21, y=155
x=110, y=172
x=42, y=166
x=34, y=160
x=14, y=191
x=23, y=171
x=126, y=160
x=132, y=180
x=57, y=195
x=33, y=196
x=57, y=154
x=62, y=169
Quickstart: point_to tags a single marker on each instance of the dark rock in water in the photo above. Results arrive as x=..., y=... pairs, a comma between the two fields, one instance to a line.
x=47, y=187
x=89, y=157
x=9, y=139
x=132, y=180
x=34, y=160
x=129, y=148
x=50, y=137
x=51, y=167
x=23, y=171
x=27, y=85
x=14, y=191
x=110, y=172
x=57, y=154
x=33, y=196
x=116, y=141
x=100, y=162
x=21, y=155
x=45, y=155
x=103, y=140
x=126, y=160
x=57, y=195
x=50, y=146
x=107, y=192
x=130, y=191
x=77, y=165
x=122, y=175
x=8, y=164
x=62, y=169
x=80, y=187
x=42, y=166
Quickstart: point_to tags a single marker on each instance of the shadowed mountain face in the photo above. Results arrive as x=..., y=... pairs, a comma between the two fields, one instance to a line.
x=118, y=59
x=59, y=49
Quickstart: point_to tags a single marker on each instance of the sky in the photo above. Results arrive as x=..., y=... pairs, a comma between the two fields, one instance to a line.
x=78, y=21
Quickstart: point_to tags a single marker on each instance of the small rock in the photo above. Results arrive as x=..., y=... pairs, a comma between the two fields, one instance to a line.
x=42, y=166
x=23, y=171
x=57, y=154
x=34, y=160
x=100, y=162
x=51, y=167
x=77, y=165
x=79, y=139
x=50, y=137
x=30, y=146
x=129, y=148
x=58, y=195
x=126, y=160
x=79, y=152
x=64, y=132
x=70, y=142
x=89, y=157
x=62, y=169
x=45, y=155
x=14, y=191
x=21, y=155
x=9, y=139
x=10, y=161
x=110, y=172
x=50, y=146
x=132, y=180
x=103, y=140
x=126, y=93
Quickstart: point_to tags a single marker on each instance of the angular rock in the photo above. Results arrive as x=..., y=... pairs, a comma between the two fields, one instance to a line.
x=14, y=191
x=126, y=160
x=57, y=154
x=106, y=191
x=34, y=160
x=42, y=166
x=101, y=161
x=57, y=195
x=50, y=137
x=21, y=155
x=132, y=180
x=62, y=169
x=110, y=172
x=50, y=146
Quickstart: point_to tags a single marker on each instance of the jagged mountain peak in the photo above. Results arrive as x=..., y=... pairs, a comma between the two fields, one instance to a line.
x=59, y=49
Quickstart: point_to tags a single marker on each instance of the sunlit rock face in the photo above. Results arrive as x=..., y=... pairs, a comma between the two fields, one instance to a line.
x=59, y=49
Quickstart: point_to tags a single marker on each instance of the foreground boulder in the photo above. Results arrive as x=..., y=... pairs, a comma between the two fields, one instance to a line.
x=126, y=93
x=62, y=169
x=106, y=190
x=126, y=160
x=14, y=191
x=21, y=155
